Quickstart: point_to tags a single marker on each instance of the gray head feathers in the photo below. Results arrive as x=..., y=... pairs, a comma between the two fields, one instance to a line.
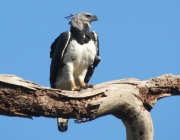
x=79, y=20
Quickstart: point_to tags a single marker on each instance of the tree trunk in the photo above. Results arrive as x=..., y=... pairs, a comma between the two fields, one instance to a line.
x=129, y=100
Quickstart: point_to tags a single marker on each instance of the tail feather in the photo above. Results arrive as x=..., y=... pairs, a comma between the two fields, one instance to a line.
x=62, y=124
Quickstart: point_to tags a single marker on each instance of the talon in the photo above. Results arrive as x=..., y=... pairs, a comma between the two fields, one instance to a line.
x=73, y=87
x=81, y=83
x=82, y=86
x=76, y=88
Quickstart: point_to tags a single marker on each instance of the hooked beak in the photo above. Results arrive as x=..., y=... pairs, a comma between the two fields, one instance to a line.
x=93, y=18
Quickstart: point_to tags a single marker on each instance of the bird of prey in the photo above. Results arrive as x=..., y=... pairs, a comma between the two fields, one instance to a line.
x=75, y=54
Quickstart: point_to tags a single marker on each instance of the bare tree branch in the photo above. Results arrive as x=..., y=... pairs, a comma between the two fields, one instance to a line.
x=129, y=100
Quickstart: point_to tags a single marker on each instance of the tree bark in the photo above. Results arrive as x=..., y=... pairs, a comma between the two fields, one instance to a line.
x=128, y=99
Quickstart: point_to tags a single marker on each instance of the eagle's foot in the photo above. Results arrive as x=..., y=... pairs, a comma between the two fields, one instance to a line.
x=73, y=87
x=76, y=88
x=81, y=87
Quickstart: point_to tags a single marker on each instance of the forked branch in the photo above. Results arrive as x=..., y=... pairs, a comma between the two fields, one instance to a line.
x=129, y=100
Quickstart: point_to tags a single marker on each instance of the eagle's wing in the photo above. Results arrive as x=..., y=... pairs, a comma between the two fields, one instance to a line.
x=57, y=51
x=96, y=60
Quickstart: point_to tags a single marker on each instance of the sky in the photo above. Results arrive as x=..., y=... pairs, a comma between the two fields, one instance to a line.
x=138, y=39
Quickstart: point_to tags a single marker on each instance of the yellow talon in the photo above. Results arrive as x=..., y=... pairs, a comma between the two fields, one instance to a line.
x=73, y=87
x=81, y=83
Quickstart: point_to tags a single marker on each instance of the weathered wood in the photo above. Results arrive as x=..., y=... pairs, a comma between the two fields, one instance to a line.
x=128, y=99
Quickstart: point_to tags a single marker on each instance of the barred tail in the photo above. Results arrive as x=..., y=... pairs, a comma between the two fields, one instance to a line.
x=62, y=124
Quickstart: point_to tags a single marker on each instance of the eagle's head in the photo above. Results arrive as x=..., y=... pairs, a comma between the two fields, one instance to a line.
x=82, y=20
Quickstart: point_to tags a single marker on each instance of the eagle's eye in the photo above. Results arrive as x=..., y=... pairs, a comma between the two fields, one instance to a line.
x=88, y=16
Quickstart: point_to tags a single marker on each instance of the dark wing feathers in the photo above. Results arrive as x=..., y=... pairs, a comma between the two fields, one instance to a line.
x=56, y=53
x=53, y=45
x=96, y=60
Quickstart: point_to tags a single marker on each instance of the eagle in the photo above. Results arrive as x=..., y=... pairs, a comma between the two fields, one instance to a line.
x=74, y=55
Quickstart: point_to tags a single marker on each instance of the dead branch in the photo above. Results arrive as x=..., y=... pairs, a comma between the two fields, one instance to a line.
x=128, y=99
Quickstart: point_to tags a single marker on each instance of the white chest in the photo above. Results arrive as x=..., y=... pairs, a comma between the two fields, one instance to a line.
x=81, y=56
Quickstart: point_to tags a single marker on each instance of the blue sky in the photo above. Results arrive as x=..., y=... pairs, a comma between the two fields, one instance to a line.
x=139, y=39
